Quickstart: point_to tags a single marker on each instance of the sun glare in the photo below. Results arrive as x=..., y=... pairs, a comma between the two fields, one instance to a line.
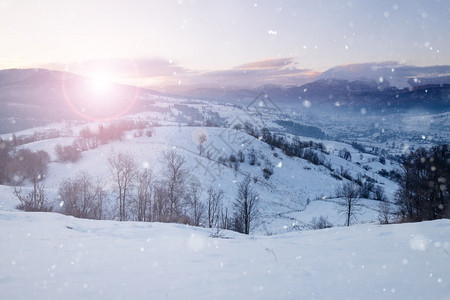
x=101, y=82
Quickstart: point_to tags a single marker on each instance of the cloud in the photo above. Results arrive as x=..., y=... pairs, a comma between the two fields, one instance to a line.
x=271, y=63
x=127, y=68
x=146, y=72
x=158, y=73
x=280, y=71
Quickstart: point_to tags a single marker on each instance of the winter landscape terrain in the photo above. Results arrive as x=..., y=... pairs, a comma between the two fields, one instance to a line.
x=50, y=256
x=196, y=252
x=234, y=149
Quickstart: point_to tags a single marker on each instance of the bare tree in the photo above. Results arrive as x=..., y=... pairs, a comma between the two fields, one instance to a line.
x=27, y=164
x=384, y=211
x=35, y=200
x=68, y=194
x=213, y=204
x=100, y=197
x=245, y=207
x=82, y=197
x=143, y=198
x=345, y=154
x=320, y=223
x=174, y=178
x=67, y=153
x=159, y=209
x=225, y=219
x=87, y=193
x=201, y=140
x=196, y=206
x=379, y=193
x=350, y=206
x=123, y=170
x=423, y=186
x=32, y=166
x=5, y=148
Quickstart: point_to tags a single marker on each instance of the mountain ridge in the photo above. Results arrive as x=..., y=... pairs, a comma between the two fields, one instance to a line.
x=34, y=97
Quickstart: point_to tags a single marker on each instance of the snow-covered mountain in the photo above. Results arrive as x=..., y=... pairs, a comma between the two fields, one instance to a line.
x=35, y=97
x=376, y=87
x=399, y=75
x=374, y=97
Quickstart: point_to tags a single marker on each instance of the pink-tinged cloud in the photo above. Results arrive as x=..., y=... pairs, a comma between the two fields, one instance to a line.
x=161, y=73
x=127, y=68
x=271, y=63
x=279, y=71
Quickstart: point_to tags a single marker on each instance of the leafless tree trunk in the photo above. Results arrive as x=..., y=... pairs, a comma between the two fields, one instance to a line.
x=100, y=196
x=225, y=222
x=245, y=207
x=144, y=188
x=350, y=207
x=87, y=195
x=123, y=170
x=384, y=211
x=159, y=203
x=174, y=177
x=68, y=192
x=213, y=205
x=196, y=207
x=201, y=140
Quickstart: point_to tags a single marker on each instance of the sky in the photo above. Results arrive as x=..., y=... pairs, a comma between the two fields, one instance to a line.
x=148, y=42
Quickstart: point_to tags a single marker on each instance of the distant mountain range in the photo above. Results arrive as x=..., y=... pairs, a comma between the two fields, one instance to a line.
x=381, y=87
x=396, y=74
x=33, y=97
x=376, y=98
x=339, y=94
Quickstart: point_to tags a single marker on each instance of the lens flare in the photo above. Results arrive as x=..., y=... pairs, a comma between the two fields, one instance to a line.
x=101, y=82
x=97, y=97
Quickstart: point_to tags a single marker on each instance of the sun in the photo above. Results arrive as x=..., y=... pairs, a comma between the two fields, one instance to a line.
x=100, y=82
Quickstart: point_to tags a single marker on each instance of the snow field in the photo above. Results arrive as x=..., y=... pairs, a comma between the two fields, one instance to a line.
x=51, y=256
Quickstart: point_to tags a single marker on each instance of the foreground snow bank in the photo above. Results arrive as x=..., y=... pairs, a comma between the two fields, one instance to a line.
x=50, y=256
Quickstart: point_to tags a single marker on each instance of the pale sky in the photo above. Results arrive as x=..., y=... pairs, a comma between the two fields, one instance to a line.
x=209, y=36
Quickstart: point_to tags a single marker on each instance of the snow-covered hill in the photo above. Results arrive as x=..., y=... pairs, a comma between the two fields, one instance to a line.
x=297, y=192
x=50, y=256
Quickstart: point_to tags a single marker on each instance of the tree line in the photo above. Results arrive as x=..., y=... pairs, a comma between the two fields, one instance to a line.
x=171, y=197
x=423, y=192
x=137, y=194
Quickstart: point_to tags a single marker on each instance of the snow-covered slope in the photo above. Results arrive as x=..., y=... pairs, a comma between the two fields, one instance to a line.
x=50, y=256
x=297, y=192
